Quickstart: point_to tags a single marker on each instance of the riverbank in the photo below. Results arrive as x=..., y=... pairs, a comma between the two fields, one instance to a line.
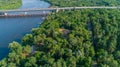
x=10, y=4
x=14, y=28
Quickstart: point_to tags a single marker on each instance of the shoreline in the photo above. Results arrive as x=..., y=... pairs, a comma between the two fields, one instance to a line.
x=29, y=30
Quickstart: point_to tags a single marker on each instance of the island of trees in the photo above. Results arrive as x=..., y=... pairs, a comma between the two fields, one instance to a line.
x=10, y=4
x=73, y=38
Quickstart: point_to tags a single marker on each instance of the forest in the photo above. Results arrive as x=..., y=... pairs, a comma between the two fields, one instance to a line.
x=71, y=3
x=9, y=4
x=73, y=38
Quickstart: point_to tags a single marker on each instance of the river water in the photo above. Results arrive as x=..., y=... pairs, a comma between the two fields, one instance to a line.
x=14, y=28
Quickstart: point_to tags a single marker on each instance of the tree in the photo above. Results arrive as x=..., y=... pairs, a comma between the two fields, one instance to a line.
x=11, y=65
x=27, y=39
x=15, y=47
x=31, y=62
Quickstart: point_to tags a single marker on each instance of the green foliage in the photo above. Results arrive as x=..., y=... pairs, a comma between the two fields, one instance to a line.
x=27, y=39
x=10, y=4
x=84, y=2
x=31, y=62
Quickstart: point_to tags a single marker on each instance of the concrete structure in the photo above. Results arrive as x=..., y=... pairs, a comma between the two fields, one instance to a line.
x=57, y=9
x=6, y=12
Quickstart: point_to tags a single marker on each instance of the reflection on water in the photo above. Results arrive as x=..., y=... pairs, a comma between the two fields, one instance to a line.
x=13, y=29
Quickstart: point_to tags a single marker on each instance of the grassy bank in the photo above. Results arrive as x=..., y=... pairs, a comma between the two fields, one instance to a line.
x=10, y=4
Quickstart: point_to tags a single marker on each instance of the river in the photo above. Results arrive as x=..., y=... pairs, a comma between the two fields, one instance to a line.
x=14, y=28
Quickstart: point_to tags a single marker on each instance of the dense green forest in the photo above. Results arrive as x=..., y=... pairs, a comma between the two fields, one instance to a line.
x=9, y=4
x=72, y=3
x=73, y=38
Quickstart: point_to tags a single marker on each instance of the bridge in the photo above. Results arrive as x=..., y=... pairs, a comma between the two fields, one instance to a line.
x=53, y=9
